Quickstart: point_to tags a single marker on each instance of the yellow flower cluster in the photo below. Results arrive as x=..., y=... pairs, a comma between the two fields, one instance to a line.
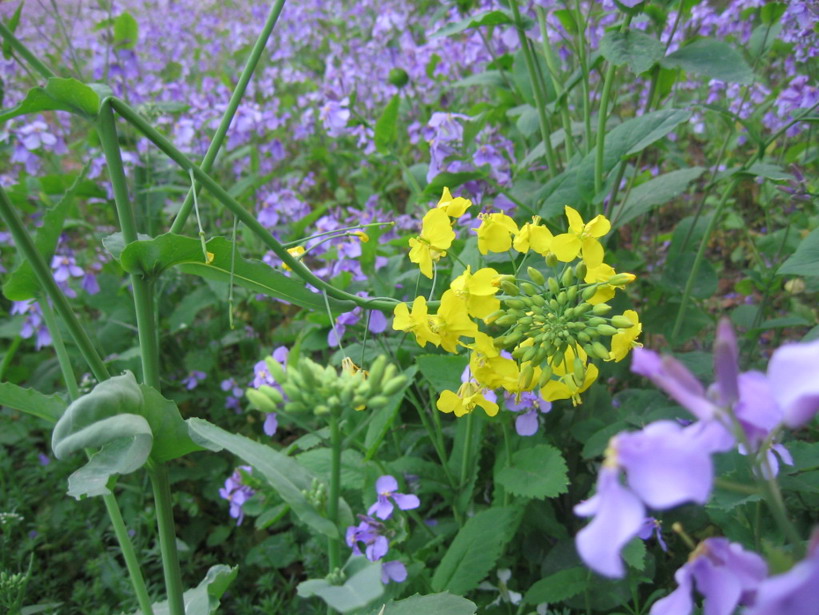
x=543, y=333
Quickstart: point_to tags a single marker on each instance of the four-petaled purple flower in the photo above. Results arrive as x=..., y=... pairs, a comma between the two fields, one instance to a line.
x=192, y=380
x=526, y=424
x=387, y=488
x=371, y=532
x=237, y=493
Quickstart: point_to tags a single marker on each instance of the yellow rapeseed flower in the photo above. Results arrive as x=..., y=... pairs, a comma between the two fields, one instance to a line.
x=452, y=321
x=478, y=291
x=296, y=252
x=469, y=395
x=495, y=232
x=581, y=239
x=568, y=386
x=436, y=237
x=534, y=236
x=454, y=207
x=489, y=368
x=417, y=322
x=623, y=341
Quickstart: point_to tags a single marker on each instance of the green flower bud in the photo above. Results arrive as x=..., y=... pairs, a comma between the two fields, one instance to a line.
x=551, y=260
x=621, y=322
x=554, y=305
x=379, y=401
x=260, y=401
x=583, y=308
x=579, y=370
x=596, y=320
x=606, y=330
x=294, y=407
x=321, y=409
x=276, y=370
x=291, y=390
x=600, y=351
x=583, y=337
x=507, y=320
x=538, y=300
x=562, y=297
x=494, y=316
x=568, y=277
x=510, y=288
x=395, y=384
x=536, y=276
x=580, y=270
x=545, y=376
x=601, y=309
x=571, y=293
x=526, y=376
x=588, y=292
x=554, y=287
x=377, y=370
x=274, y=394
x=529, y=289
x=515, y=304
x=398, y=77
x=621, y=279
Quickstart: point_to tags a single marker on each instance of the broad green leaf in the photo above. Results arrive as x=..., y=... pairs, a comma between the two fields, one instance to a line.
x=476, y=550
x=318, y=461
x=450, y=180
x=711, y=58
x=559, y=586
x=632, y=47
x=171, y=439
x=678, y=269
x=204, y=599
x=153, y=256
x=488, y=77
x=770, y=12
x=805, y=261
x=536, y=472
x=634, y=553
x=491, y=18
x=386, y=127
x=363, y=585
x=559, y=192
x=58, y=95
x=442, y=371
x=185, y=312
x=126, y=31
x=768, y=171
x=21, y=283
x=654, y=192
x=119, y=455
x=627, y=139
x=283, y=473
x=431, y=604
x=47, y=407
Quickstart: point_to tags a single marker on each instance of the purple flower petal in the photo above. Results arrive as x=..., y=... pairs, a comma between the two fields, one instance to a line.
x=526, y=424
x=393, y=571
x=271, y=424
x=406, y=501
x=386, y=485
x=726, y=363
x=678, y=602
x=618, y=517
x=382, y=508
x=792, y=371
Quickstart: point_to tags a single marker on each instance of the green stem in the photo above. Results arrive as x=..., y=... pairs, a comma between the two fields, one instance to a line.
x=9, y=356
x=689, y=283
x=334, y=544
x=59, y=347
x=602, y=116
x=584, y=69
x=554, y=74
x=470, y=428
x=230, y=112
x=42, y=272
x=23, y=51
x=247, y=218
x=128, y=554
x=167, y=539
x=545, y=131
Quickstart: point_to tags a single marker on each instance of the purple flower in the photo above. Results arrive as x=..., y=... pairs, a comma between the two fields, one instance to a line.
x=386, y=486
x=237, y=493
x=261, y=375
x=192, y=380
x=65, y=267
x=795, y=592
x=792, y=374
x=527, y=423
x=335, y=115
x=652, y=526
x=271, y=424
x=393, y=571
x=370, y=532
x=665, y=465
x=725, y=573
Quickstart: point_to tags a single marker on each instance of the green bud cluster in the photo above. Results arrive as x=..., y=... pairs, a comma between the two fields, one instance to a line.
x=555, y=314
x=306, y=385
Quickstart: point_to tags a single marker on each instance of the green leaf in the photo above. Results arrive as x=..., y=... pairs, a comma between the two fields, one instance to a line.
x=442, y=371
x=627, y=139
x=491, y=18
x=768, y=171
x=283, y=473
x=58, y=95
x=12, y=26
x=567, y=20
x=204, y=599
x=475, y=550
x=634, y=553
x=536, y=472
x=654, y=192
x=47, y=407
x=386, y=127
x=805, y=261
x=559, y=586
x=451, y=181
x=711, y=58
x=632, y=47
x=122, y=454
x=431, y=604
x=22, y=284
x=153, y=256
x=318, y=461
x=770, y=13
x=492, y=78
x=381, y=423
x=126, y=32
x=171, y=438
x=363, y=585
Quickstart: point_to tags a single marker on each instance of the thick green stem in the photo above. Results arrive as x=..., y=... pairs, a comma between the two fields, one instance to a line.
x=25, y=244
x=167, y=539
x=582, y=54
x=247, y=218
x=602, y=116
x=230, y=112
x=334, y=544
x=11, y=352
x=467, y=450
x=545, y=129
x=24, y=52
x=554, y=73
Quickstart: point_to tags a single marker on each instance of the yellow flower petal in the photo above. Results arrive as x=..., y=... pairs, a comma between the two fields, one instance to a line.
x=566, y=247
